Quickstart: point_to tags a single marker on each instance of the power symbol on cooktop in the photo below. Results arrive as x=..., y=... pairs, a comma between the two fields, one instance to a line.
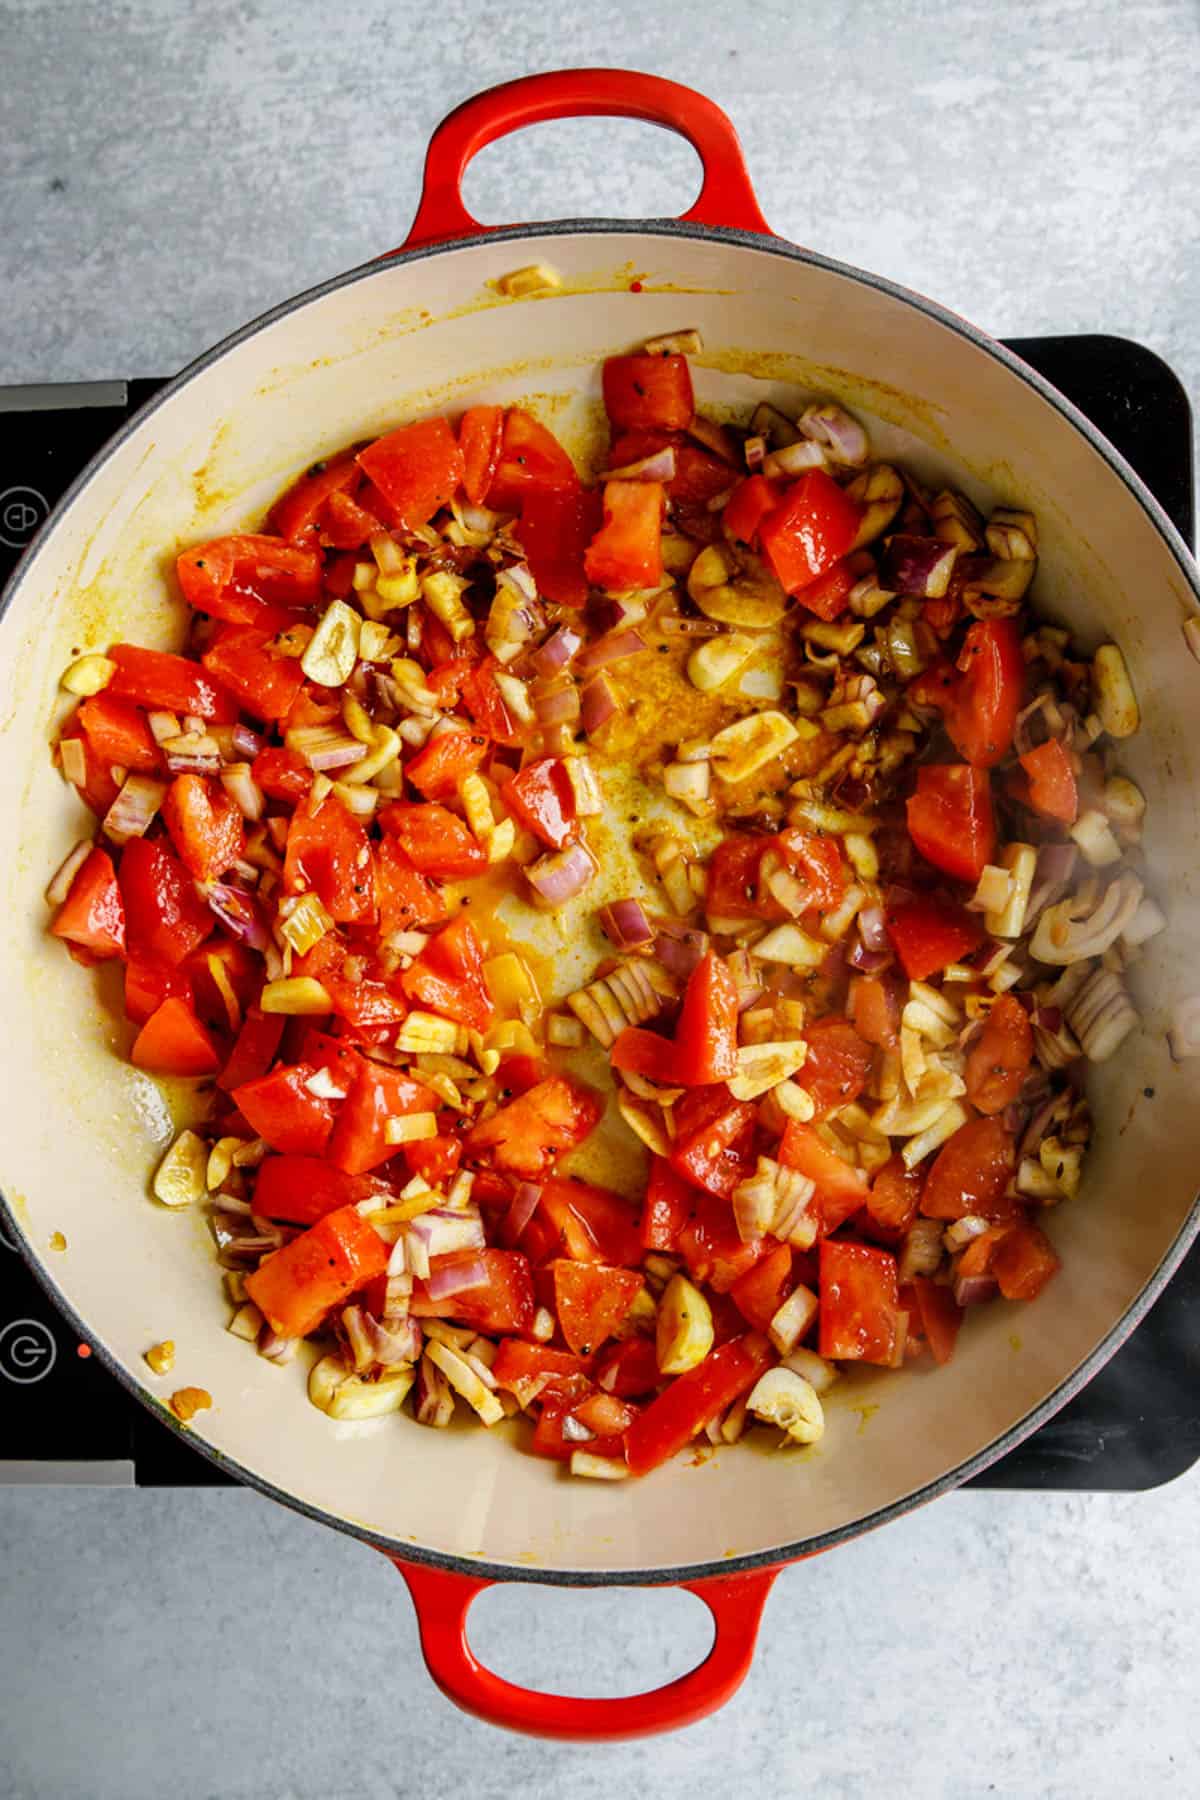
x=27, y=1351
x=22, y=510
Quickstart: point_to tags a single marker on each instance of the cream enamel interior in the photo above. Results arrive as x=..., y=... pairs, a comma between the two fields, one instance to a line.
x=83, y=1130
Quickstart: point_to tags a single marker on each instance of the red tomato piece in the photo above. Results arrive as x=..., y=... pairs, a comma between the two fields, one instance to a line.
x=97, y=789
x=486, y=705
x=628, y=1369
x=706, y=1036
x=254, y=1050
x=860, y=1304
x=417, y=469
x=644, y=391
x=841, y=1189
x=838, y=1065
x=693, y=1400
x=250, y=578
x=266, y=685
x=998, y=1061
x=297, y=512
x=504, y=1303
x=435, y=840
x=983, y=704
x=940, y=1316
x=435, y=1160
x=714, y=1141
x=279, y=1108
x=317, y=1271
x=163, y=912
x=156, y=679
x=533, y=1370
x=282, y=774
x=931, y=931
x=204, y=824
x=950, y=819
x=532, y=1132
x=117, y=732
x=732, y=881
x=313, y=705
x=813, y=526
x=302, y=1189
x=591, y=1301
x=556, y=526
x=698, y=478
x=543, y=800
x=762, y=1290
x=441, y=766
x=1023, y=1262
x=590, y=1224
x=149, y=980
x=627, y=550
x=531, y=458
x=241, y=969
x=751, y=501
x=329, y=851
x=828, y=594
x=93, y=913
x=345, y=525
x=894, y=1199
x=448, y=976
x=407, y=900
x=646, y=1053
x=380, y=1092
x=480, y=431
x=607, y=1418
x=667, y=1207
x=1053, y=790
x=875, y=1009
x=970, y=1174
x=712, y=1247
x=174, y=1042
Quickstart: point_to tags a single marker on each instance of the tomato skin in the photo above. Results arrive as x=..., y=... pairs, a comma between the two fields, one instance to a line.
x=998, y=1061
x=518, y=1366
x=435, y=840
x=711, y=1246
x=828, y=594
x=875, y=1010
x=950, y=819
x=254, y=1050
x=174, y=1042
x=345, y=525
x=407, y=900
x=480, y=431
x=894, y=1198
x=149, y=981
x=590, y=1224
x=713, y=1146
x=317, y=1271
x=813, y=526
x=640, y=1052
x=1024, y=1261
x=1053, y=790
x=163, y=913
x=529, y=1134
x=448, y=976
x=591, y=1300
x=838, y=1065
x=417, y=468
x=751, y=501
x=280, y=1109
x=159, y=680
x=506, y=1303
x=929, y=932
x=359, y=1138
x=282, y=774
x=299, y=1190
x=706, y=1036
x=204, y=825
x=732, y=880
x=628, y=1369
x=983, y=704
x=627, y=550
x=486, y=705
x=117, y=732
x=667, y=1206
x=250, y=578
x=693, y=1400
x=762, y=1290
x=859, y=1319
x=442, y=764
x=543, y=800
x=555, y=528
x=266, y=685
x=841, y=1189
x=645, y=391
x=328, y=851
x=939, y=1315
x=297, y=512
x=970, y=1174
x=93, y=913
x=531, y=458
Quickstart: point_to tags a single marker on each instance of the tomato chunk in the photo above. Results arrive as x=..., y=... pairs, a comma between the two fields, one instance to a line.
x=280, y=1108
x=282, y=774
x=529, y=1370
x=543, y=800
x=970, y=1174
x=838, y=1065
x=317, y=1271
x=627, y=550
x=417, y=469
x=251, y=578
x=998, y=1061
x=149, y=980
x=359, y=1141
x=667, y=1206
x=480, y=431
x=254, y=1050
x=163, y=913
x=841, y=1189
x=174, y=1042
x=940, y=1316
x=302, y=1189
x=714, y=1141
x=981, y=713
x=762, y=1290
x=535, y=1129
x=645, y=391
x=407, y=900
x=712, y=1247
x=441, y=766
x=93, y=913
x=950, y=819
x=860, y=1308
x=813, y=526
x=448, y=976
x=748, y=505
x=628, y=1368
x=894, y=1199
x=504, y=1303
x=1023, y=1262
x=929, y=932
x=555, y=529
x=531, y=459
x=435, y=840
x=156, y=679
x=328, y=851
x=706, y=1036
x=591, y=1301
x=590, y=1224
x=118, y=733
x=693, y=1400
x=266, y=685
x=296, y=513
x=1053, y=790
x=204, y=824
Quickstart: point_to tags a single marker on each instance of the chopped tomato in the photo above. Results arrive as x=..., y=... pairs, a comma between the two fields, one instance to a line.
x=555, y=528
x=296, y=513
x=504, y=1303
x=1023, y=1262
x=712, y=1247
x=837, y=1067
x=950, y=819
x=329, y=852
x=713, y=1146
x=174, y=1042
x=434, y=1159
x=607, y=1418
x=762, y=1290
x=520, y=1368
x=318, y=1270
x=875, y=1009
x=828, y=594
x=163, y=912
x=894, y=1198
x=380, y=1092
x=313, y=705
x=533, y=1131
x=479, y=434
x=280, y=1108
x=442, y=764
x=149, y=980
x=436, y=841
x=302, y=1189
x=591, y=1301
x=345, y=525
x=667, y=1208
x=627, y=550
x=407, y=900
x=417, y=469
x=940, y=1316
x=97, y=789
x=860, y=1314
x=117, y=731
x=699, y=477
x=93, y=913
x=628, y=1369
x=644, y=391
x=706, y=1036
x=531, y=458
x=971, y=1174
x=448, y=976
x=543, y=800
x=982, y=707
x=930, y=932
x=204, y=824
x=1053, y=790
x=251, y=579
x=998, y=1061
x=486, y=704
x=156, y=679
x=646, y=1053
x=732, y=880
x=841, y=1188
x=590, y=1224
x=813, y=526
x=694, y=1400
x=266, y=685
x=748, y=505
x=254, y=1050
x=282, y=774
x=240, y=971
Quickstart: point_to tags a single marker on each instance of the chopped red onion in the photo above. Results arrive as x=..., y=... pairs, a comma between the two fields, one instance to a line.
x=1025, y=738
x=714, y=437
x=559, y=877
x=243, y=790
x=678, y=947
x=835, y=428
x=557, y=651
x=134, y=809
x=867, y=962
x=433, y=1397
x=246, y=743
x=466, y=1273
x=917, y=565
x=1055, y=866
x=624, y=923
x=524, y=1205
x=520, y=576
x=972, y=1290
x=184, y=762
x=658, y=467
x=794, y=459
x=556, y=702
x=1015, y=1117
x=872, y=928
x=613, y=647
x=598, y=703
x=398, y=1343
x=442, y=1231
x=617, y=610
x=238, y=913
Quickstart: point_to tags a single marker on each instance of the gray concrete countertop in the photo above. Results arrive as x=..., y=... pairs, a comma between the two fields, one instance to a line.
x=167, y=170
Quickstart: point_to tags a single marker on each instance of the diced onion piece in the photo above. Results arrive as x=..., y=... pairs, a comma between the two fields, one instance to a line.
x=782, y=1397
x=560, y=876
x=820, y=1374
x=296, y=995
x=1020, y=862
x=744, y=747
x=1093, y=833
x=306, y=923
x=1116, y=702
x=1101, y=1015
x=466, y=1382
x=788, y=944
x=1061, y=937
x=585, y=785
x=992, y=891
x=794, y=459
x=332, y=651
x=684, y=1334
x=179, y=1180
x=325, y=747
x=598, y=702
x=792, y=1320
x=88, y=675
x=564, y=1032
x=1184, y=1034
x=838, y=431
x=689, y=783
x=73, y=757
x=625, y=924
x=714, y=663
x=597, y=1468
x=246, y=1323
x=934, y=1135
x=427, y=1033
x=239, y=783
x=956, y=521
x=535, y=278
x=134, y=809
x=764, y=1066
x=659, y=466
x=410, y=1128
x=64, y=875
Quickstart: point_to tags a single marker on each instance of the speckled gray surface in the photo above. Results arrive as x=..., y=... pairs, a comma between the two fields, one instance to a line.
x=166, y=171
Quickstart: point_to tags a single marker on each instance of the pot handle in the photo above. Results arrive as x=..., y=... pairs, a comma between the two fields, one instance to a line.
x=726, y=197
x=443, y=1597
